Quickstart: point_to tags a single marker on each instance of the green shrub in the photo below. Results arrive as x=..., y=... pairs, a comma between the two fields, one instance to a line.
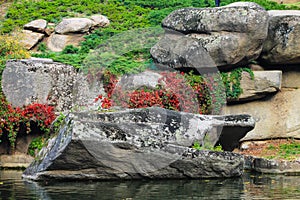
x=232, y=82
x=70, y=49
x=42, y=47
x=36, y=145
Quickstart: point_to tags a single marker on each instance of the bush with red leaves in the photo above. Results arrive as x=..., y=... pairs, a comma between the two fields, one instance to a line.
x=12, y=118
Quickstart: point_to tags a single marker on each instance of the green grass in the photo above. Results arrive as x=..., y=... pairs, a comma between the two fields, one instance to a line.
x=123, y=14
x=293, y=5
x=288, y=151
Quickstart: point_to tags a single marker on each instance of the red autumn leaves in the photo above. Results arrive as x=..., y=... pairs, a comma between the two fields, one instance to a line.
x=175, y=91
x=11, y=119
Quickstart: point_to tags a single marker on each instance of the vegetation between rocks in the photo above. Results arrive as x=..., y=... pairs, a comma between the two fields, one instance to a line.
x=279, y=149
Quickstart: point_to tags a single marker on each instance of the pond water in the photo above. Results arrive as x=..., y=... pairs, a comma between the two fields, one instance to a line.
x=250, y=186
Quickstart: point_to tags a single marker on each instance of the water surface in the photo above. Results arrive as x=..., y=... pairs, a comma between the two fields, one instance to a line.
x=250, y=186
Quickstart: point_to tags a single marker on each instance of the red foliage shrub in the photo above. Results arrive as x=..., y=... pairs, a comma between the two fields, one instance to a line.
x=11, y=119
x=175, y=91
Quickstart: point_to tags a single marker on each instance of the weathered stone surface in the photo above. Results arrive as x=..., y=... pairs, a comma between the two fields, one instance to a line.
x=140, y=143
x=222, y=36
x=57, y=42
x=29, y=39
x=272, y=166
x=291, y=77
x=264, y=83
x=15, y=161
x=74, y=25
x=283, y=45
x=146, y=79
x=38, y=25
x=40, y=80
x=276, y=116
x=256, y=67
x=99, y=20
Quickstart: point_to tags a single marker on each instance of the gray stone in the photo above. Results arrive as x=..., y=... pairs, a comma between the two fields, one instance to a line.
x=222, y=36
x=74, y=25
x=38, y=25
x=263, y=84
x=139, y=143
x=270, y=166
x=282, y=45
x=276, y=116
x=99, y=20
x=146, y=79
x=30, y=39
x=57, y=42
x=43, y=81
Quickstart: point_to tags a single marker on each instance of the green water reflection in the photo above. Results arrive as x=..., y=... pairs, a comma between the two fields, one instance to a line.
x=250, y=186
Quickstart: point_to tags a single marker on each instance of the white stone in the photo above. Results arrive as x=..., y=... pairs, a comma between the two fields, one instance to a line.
x=38, y=25
x=74, y=25
x=100, y=20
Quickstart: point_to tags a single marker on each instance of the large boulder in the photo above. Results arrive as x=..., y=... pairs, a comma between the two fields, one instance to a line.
x=43, y=81
x=222, y=36
x=74, y=25
x=140, y=143
x=276, y=116
x=57, y=42
x=38, y=25
x=30, y=39
x=282, y=45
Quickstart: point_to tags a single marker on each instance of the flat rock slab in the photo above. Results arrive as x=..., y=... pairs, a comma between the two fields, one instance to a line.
x=30, y=39
x=135, y=144
x=15, y=161
x=264, y=83
x=74, y=25
x=270, y=166
x=38, y=25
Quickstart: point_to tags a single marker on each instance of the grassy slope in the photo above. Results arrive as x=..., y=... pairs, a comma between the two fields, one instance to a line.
x=124, y=15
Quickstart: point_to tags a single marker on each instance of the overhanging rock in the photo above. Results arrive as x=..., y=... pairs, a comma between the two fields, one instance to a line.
x=139, y=143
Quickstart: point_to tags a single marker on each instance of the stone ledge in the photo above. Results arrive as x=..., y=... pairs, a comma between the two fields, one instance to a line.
x=270, y=166
x=15, y=161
